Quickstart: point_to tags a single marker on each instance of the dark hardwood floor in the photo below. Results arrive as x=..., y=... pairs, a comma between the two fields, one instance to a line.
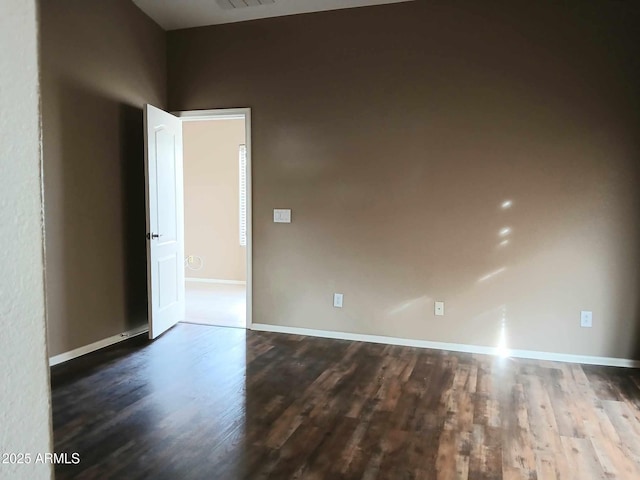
x=222, y=403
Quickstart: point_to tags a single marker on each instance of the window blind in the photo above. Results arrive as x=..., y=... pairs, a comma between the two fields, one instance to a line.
x=242, y=163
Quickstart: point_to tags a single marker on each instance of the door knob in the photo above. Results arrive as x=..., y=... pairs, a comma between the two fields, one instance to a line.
x=153, y=235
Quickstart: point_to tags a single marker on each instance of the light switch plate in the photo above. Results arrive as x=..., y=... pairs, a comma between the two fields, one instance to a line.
x=281, y=215
x=337, y=300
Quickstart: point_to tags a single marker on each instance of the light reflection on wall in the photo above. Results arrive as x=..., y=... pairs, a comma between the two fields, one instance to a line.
x=490, y=275
x=417, y=304
x=502, y=349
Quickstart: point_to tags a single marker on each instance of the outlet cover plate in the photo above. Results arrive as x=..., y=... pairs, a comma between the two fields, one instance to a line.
x=439, y=309
x=586, y=319
x=337, y=300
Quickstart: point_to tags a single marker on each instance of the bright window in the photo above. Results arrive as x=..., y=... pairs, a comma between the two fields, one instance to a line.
x=242, y=163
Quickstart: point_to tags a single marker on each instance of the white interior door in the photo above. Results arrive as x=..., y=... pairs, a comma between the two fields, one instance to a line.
x=165, y=219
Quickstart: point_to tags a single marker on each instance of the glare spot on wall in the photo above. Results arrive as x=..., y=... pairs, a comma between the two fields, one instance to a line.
x=491, y=274
x=501, y=348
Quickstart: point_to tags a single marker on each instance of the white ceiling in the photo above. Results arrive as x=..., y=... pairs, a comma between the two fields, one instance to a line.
x=175, y=14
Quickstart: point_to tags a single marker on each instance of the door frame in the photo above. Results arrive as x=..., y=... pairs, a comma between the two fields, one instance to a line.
x=234, y=114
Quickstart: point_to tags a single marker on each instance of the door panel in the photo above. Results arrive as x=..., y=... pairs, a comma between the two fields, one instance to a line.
x=167, y=281
x=165, y=222
x=166, y=192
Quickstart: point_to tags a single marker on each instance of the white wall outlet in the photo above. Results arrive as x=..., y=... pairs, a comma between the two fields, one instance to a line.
x=439, y=309
x=586, y=319
x=190, y=259
x=281, y=215
x=337, y=300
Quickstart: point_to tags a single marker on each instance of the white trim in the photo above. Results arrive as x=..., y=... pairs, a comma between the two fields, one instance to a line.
x=215, y=280
x=92, y=347
x=233, y=113
x=454, y=347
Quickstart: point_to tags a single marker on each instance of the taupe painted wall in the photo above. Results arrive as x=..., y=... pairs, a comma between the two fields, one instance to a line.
x=25, y=395
x=101, y=61
x=211, y=198
x=396, y=132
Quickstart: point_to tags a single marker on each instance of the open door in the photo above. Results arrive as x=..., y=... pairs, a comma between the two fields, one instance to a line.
x=165, y=222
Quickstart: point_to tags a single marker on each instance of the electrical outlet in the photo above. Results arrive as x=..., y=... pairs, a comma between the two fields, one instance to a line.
x=190, y=259
x=586, y=319
x=337, y=300
x=439, y=309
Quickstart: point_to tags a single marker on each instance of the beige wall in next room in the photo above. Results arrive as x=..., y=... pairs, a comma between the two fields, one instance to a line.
x=211, y=198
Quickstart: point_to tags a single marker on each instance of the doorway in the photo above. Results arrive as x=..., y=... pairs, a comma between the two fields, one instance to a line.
x=217, y=216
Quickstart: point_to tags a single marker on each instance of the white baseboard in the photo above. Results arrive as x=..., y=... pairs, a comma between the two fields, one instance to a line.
x=215, y=280
x=358, y=337
x=63, y=357
x=454, y=347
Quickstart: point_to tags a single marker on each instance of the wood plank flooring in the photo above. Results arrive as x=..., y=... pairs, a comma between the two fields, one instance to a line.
x=205, y=402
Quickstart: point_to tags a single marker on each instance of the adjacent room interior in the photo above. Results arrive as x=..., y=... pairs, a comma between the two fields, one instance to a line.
x=442, y=260
x=215, y=185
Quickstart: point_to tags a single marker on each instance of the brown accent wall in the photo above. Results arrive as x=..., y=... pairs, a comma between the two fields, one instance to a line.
x=211, y=198
x=395, y=133
x=101, y=61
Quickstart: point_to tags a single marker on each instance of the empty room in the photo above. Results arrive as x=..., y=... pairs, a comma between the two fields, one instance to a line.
x=320, y=239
